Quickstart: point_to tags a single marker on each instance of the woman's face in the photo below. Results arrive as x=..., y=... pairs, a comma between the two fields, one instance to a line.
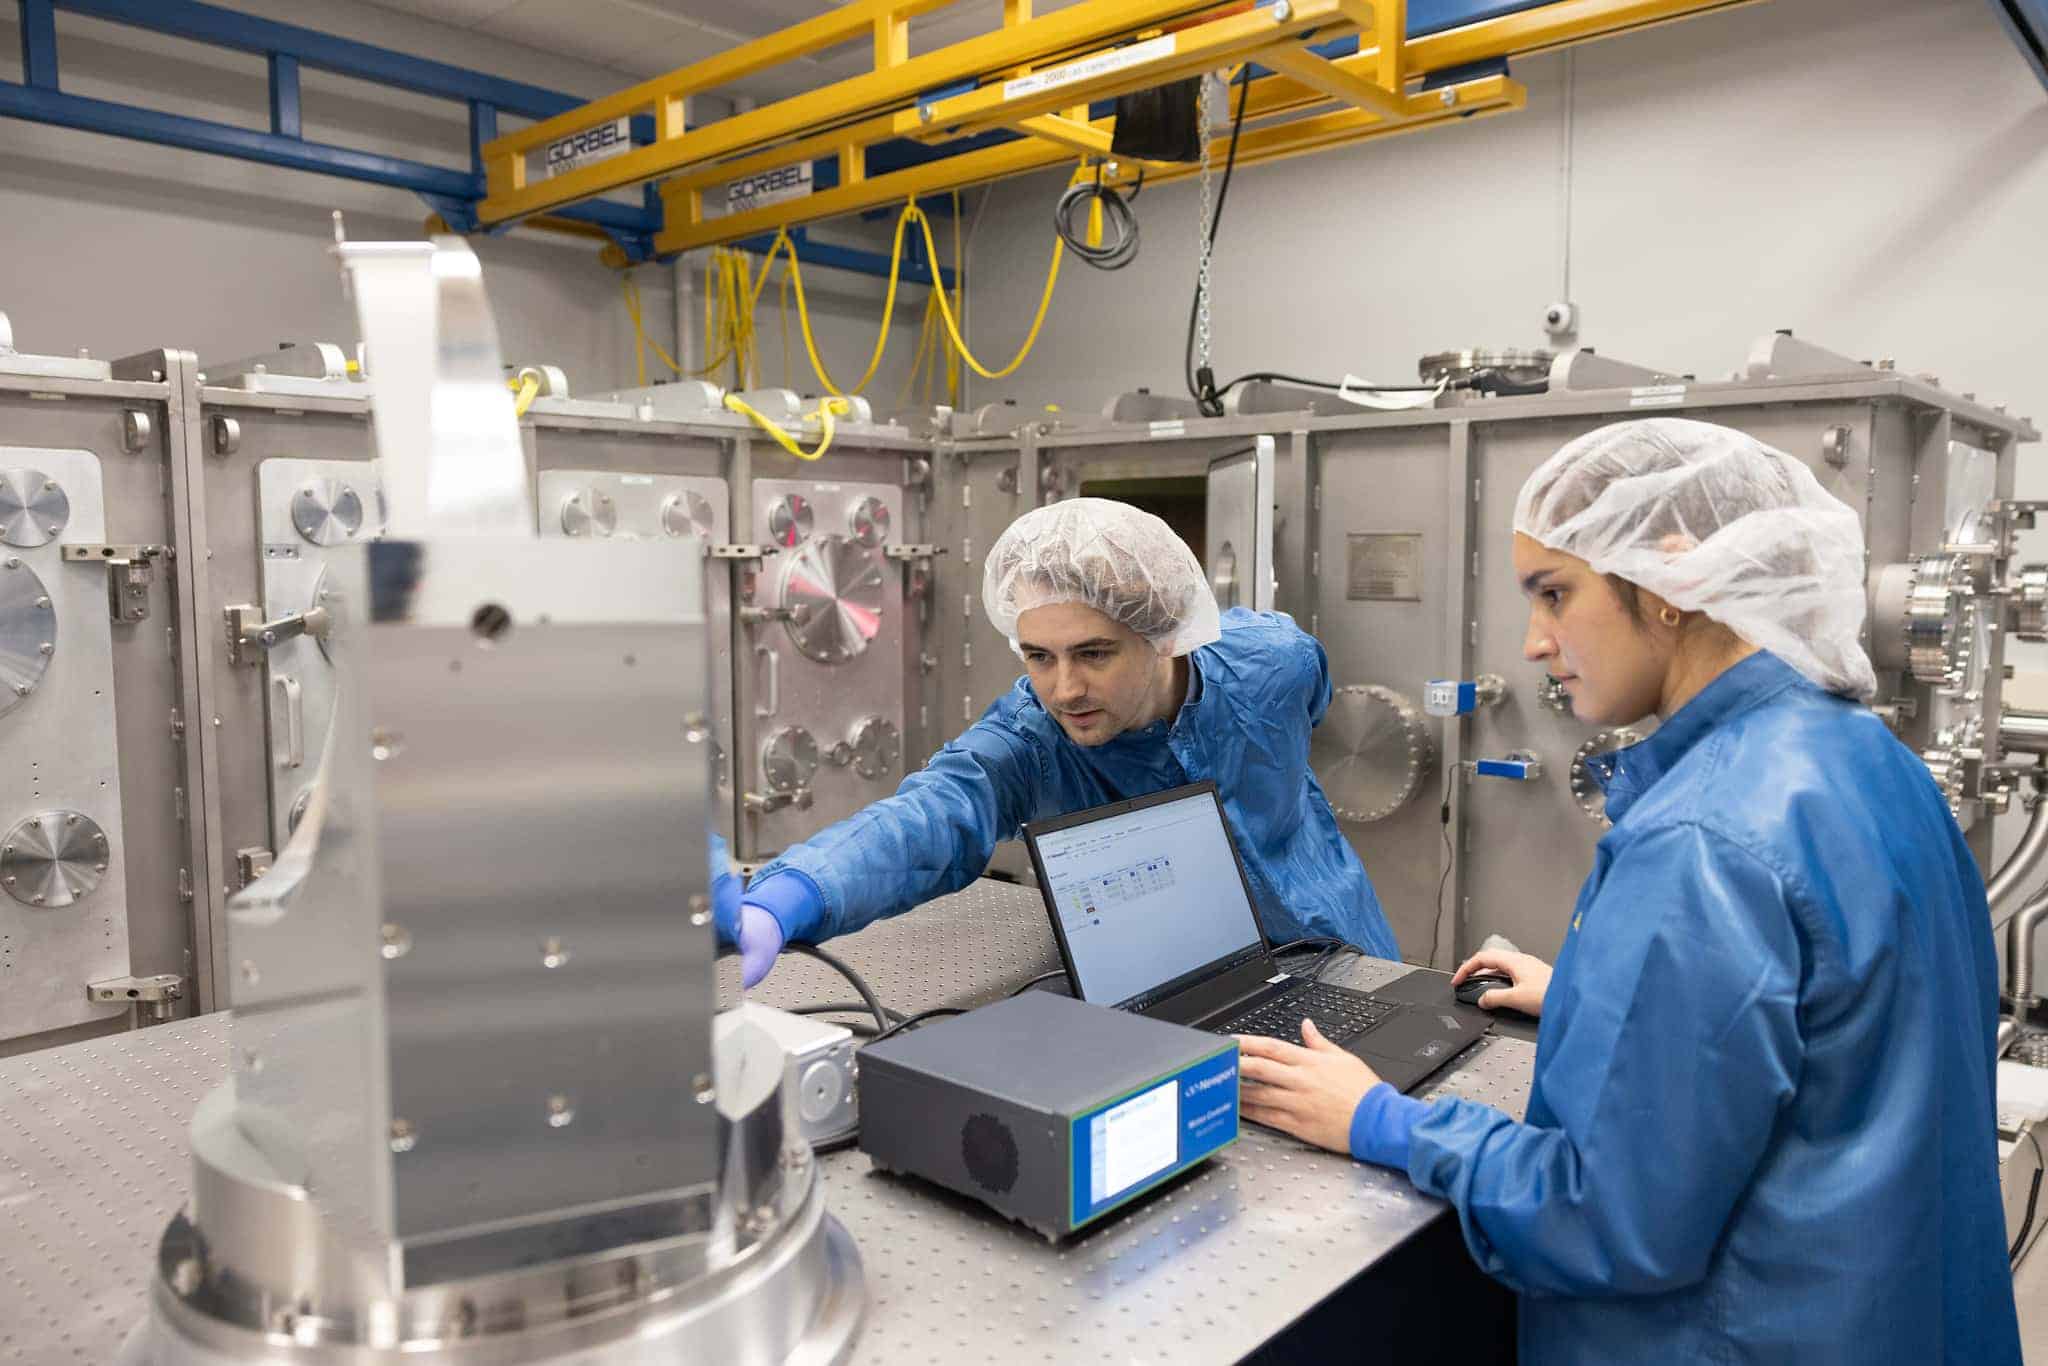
x=1613, y=666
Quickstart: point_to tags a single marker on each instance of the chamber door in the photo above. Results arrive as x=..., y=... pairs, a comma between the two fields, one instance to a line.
x=1239, y=549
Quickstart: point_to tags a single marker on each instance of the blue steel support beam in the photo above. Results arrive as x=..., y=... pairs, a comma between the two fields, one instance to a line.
x=227, y=28
x=483, y=127
x=38, y=44
x=222, y=139
x=284, y=96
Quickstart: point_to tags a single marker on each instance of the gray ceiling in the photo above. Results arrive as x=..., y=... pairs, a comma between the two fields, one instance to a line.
x=645, y=38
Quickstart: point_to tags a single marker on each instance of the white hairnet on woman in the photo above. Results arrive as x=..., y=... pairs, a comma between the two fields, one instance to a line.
x=1714, y=521
x=1122, y=561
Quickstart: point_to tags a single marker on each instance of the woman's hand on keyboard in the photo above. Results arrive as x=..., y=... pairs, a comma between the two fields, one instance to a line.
x=1309, y=1091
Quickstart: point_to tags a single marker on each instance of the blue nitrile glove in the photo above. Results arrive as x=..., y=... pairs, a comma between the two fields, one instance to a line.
x=767, y=911
x=760, y=942
x=725, y=893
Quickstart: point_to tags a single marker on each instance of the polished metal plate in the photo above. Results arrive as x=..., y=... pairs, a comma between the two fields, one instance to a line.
x=28, y=632
x=834, y=590
x=327, y=511
x=53, y=859
x=33, y=508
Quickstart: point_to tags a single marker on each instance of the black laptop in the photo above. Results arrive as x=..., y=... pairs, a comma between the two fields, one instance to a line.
x=1153, y=914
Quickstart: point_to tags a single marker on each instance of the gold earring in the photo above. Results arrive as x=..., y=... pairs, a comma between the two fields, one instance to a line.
x=1671, y=616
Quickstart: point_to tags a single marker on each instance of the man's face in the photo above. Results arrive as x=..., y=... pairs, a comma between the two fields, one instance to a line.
x=1098, y=677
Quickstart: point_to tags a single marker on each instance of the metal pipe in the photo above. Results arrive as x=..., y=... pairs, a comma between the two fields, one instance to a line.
x=2014, y=878
x=2019, y=965
x=2022, y=731
x=2008, y=1030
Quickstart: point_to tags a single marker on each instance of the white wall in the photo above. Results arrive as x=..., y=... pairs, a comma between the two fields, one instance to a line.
x=121, y=246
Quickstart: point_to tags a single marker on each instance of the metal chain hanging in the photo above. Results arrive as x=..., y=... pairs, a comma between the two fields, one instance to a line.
x=1202, y=227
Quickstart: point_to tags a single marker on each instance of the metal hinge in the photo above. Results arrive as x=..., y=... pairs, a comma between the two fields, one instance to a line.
x=185, y=885
x=775, y=801
x=129, y=574
x=743, y=552
x=913, y=552
x=253, y=863
x=152, y=997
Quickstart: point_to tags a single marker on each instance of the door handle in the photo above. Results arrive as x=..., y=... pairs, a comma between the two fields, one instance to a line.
x=291, y=701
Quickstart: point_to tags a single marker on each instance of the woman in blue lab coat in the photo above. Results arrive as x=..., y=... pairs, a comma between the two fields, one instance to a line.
x=1762, y=1122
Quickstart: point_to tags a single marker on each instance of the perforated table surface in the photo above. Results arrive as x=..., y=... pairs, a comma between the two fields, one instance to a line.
x=93, y=1164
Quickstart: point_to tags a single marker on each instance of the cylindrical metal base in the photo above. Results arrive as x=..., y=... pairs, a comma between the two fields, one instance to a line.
x=796, y=1301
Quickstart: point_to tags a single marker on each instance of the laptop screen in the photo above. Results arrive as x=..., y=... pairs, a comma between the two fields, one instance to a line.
x=1148, y=896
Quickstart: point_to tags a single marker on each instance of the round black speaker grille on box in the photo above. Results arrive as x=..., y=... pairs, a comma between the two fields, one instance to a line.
x=990, y=1152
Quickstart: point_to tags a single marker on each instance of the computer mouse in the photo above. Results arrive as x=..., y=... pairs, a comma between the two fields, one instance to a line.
x=1478, y=984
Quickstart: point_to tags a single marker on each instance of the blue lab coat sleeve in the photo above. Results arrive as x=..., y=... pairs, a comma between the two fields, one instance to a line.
x=1682, y=1047
x=934, y=836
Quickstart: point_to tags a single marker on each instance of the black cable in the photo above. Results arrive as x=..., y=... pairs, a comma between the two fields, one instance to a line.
x=1041, y=977
x=1119, y=225
x=844, y=1008
x=1202, y=383
x=1275, y=377
x=1330, y=955
x=2033, y=1197
x=859, y=983
x=1436, y=931
x=913, y=1021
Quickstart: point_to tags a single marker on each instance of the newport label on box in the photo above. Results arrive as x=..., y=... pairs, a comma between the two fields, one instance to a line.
x=589, y=147
x=1132, y=1144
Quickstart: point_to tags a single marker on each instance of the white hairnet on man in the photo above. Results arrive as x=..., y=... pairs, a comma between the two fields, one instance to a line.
x=1714, y=521
x=1120, y=560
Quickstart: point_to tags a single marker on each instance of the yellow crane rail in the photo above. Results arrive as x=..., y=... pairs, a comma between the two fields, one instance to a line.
x=1036, y=76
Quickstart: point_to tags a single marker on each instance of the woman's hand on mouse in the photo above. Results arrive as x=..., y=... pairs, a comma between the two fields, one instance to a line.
x=1310, y=1092
x=1531, y=976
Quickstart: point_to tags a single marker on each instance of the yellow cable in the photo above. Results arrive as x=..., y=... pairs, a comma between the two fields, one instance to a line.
x=827, y=410
x=525, y=391
x=784, y=290
x=734, y=290
x=1052, y=276
x=959, y=301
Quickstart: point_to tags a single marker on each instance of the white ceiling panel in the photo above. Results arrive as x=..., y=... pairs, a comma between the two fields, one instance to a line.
x=644, y=38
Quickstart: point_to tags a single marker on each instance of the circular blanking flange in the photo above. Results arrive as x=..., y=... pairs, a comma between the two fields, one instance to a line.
x=589, y=512
x=876, y=746
x=789, y=759
x=28, y=632
x=1591, y=797
x=327, y=511
x=867, y=522
x=1371, y=752
x=790, y=521
x=833, y=589
x=53, y=859
x=688, y=513
x=33, y=508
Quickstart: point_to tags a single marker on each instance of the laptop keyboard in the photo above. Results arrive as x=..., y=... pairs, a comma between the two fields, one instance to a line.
x=1339, y=1014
